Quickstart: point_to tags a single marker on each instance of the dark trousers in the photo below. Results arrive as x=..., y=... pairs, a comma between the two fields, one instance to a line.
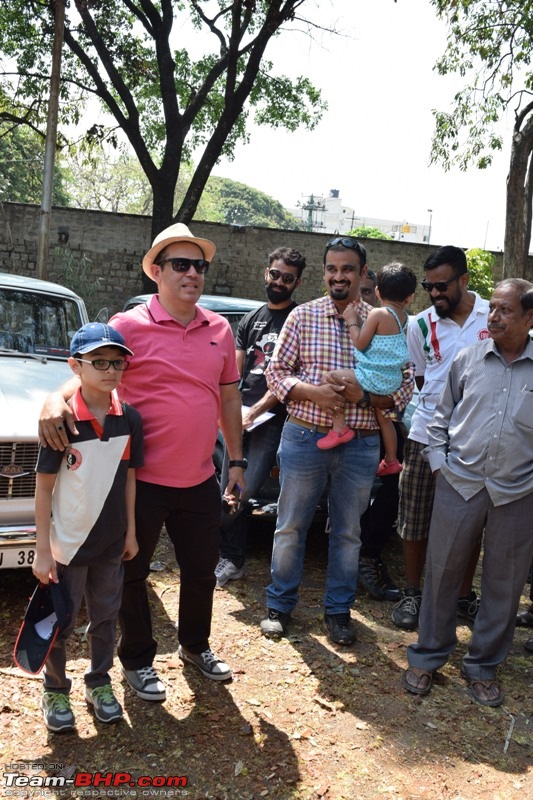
x=260, y=448
x=100, y=584
x=192, y=519
x=379, y=519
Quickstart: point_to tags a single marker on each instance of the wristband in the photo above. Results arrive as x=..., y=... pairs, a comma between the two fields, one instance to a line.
x=353, y=325
x=240, y=462
x=364, y=402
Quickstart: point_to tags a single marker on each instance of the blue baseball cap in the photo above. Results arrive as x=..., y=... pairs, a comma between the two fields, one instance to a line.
x=94, y=335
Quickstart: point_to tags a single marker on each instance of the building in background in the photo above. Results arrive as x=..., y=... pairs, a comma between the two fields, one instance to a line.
x=327, y=214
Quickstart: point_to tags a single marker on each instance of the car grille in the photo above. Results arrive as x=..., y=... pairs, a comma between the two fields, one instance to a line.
x=17, y=469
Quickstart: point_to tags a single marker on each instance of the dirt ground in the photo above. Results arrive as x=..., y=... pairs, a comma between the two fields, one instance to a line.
x=301, y=719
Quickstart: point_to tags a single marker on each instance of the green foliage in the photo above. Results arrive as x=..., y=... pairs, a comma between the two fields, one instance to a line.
x=367, y=232
x=490, y=45
x=238, y=204
x=480, y=267
x=169, y=103
x=21, y=168
x=108, y=180
x=75, y=273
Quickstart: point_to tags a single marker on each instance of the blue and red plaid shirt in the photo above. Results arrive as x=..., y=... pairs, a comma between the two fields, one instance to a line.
x=315, y=340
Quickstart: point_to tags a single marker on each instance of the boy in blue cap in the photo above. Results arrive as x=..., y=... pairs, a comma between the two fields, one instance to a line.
x=84, y=513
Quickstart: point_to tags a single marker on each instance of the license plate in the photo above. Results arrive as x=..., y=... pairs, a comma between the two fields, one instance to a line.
x=13, y=557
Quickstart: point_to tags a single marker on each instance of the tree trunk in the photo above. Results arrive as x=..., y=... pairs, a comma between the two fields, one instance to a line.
x=519, y=199
x=163, y=211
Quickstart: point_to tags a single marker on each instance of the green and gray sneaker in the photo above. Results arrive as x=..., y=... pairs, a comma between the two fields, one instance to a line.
x=57, y=712
x=105, y=705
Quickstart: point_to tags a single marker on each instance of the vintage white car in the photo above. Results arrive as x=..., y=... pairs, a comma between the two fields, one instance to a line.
x=37, y=322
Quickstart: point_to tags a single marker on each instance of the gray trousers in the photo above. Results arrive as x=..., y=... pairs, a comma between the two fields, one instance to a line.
x=507, y=550
x=101, y=585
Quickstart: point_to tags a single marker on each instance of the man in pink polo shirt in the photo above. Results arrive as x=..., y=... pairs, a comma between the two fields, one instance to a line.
x=183, y=380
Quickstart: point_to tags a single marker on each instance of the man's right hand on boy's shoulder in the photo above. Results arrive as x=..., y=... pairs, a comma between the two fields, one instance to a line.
x=55, y=417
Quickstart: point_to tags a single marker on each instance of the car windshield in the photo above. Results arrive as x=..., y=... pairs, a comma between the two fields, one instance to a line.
x=35, y=323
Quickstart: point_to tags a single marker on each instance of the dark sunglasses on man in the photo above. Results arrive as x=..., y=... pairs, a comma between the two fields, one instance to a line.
x=184, y=264
x=440, y=286
x=286, y=277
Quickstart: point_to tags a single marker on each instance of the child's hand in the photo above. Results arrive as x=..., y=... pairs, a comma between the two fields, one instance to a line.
x=131, y=548
x=351, y=315
x=44, y=568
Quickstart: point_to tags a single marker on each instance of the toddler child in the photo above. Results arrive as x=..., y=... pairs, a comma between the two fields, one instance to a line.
x=381, y=355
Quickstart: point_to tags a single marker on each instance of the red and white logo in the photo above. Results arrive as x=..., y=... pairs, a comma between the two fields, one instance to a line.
x=73, y=458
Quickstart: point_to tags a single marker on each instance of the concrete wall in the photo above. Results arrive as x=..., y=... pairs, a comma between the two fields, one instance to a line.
x=110, y=248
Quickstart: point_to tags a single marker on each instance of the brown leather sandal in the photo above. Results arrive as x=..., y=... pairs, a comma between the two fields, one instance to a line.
x=417, y=681
x=480, y=689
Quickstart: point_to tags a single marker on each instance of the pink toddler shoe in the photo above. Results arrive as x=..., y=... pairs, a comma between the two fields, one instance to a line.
x=388, y=467
x=333, y=438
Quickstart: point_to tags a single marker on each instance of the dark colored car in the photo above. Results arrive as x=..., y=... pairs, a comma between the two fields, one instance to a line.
x=232, y=308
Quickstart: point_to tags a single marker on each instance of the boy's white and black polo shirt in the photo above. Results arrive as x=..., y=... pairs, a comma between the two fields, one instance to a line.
x=88, y=501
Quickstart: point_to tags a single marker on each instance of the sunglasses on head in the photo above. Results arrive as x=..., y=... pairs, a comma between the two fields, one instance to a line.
x=184, y=264
x=344, y=242
x=286, y=277
x=440, y=286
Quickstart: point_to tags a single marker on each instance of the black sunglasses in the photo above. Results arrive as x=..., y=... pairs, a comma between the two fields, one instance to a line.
x=440, y=286
x=184, y=264
x=345, y=242
x=286, y=277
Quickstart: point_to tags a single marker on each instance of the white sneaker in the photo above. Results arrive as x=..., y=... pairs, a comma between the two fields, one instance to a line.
x=208, y=664
x=226, y=571
x=145, y=683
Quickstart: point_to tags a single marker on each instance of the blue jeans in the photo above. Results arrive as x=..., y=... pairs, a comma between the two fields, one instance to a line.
x=260, y=448
x=347, y=472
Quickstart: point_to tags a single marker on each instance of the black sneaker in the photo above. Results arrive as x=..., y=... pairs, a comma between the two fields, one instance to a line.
x=145, y=683
x=374, y=577
x=528, y=646
x=208, y=664
x=405, y=613
x=467, y=607
x=275, y=624
x=340, y=628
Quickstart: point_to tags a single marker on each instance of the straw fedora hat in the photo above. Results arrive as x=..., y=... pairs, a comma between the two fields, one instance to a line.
x=176, y=233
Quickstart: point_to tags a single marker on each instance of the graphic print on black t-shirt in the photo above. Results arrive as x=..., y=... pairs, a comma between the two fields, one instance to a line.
x=257, y=335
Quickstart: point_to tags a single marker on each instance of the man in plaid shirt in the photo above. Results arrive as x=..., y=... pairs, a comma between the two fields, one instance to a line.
x=312, y=372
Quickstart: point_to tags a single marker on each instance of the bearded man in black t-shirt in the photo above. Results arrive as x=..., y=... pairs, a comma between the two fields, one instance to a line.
x=254, y=343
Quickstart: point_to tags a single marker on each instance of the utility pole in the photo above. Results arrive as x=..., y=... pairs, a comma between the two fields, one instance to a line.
x=312, y=205
x=430, y=212
x=51, y=143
